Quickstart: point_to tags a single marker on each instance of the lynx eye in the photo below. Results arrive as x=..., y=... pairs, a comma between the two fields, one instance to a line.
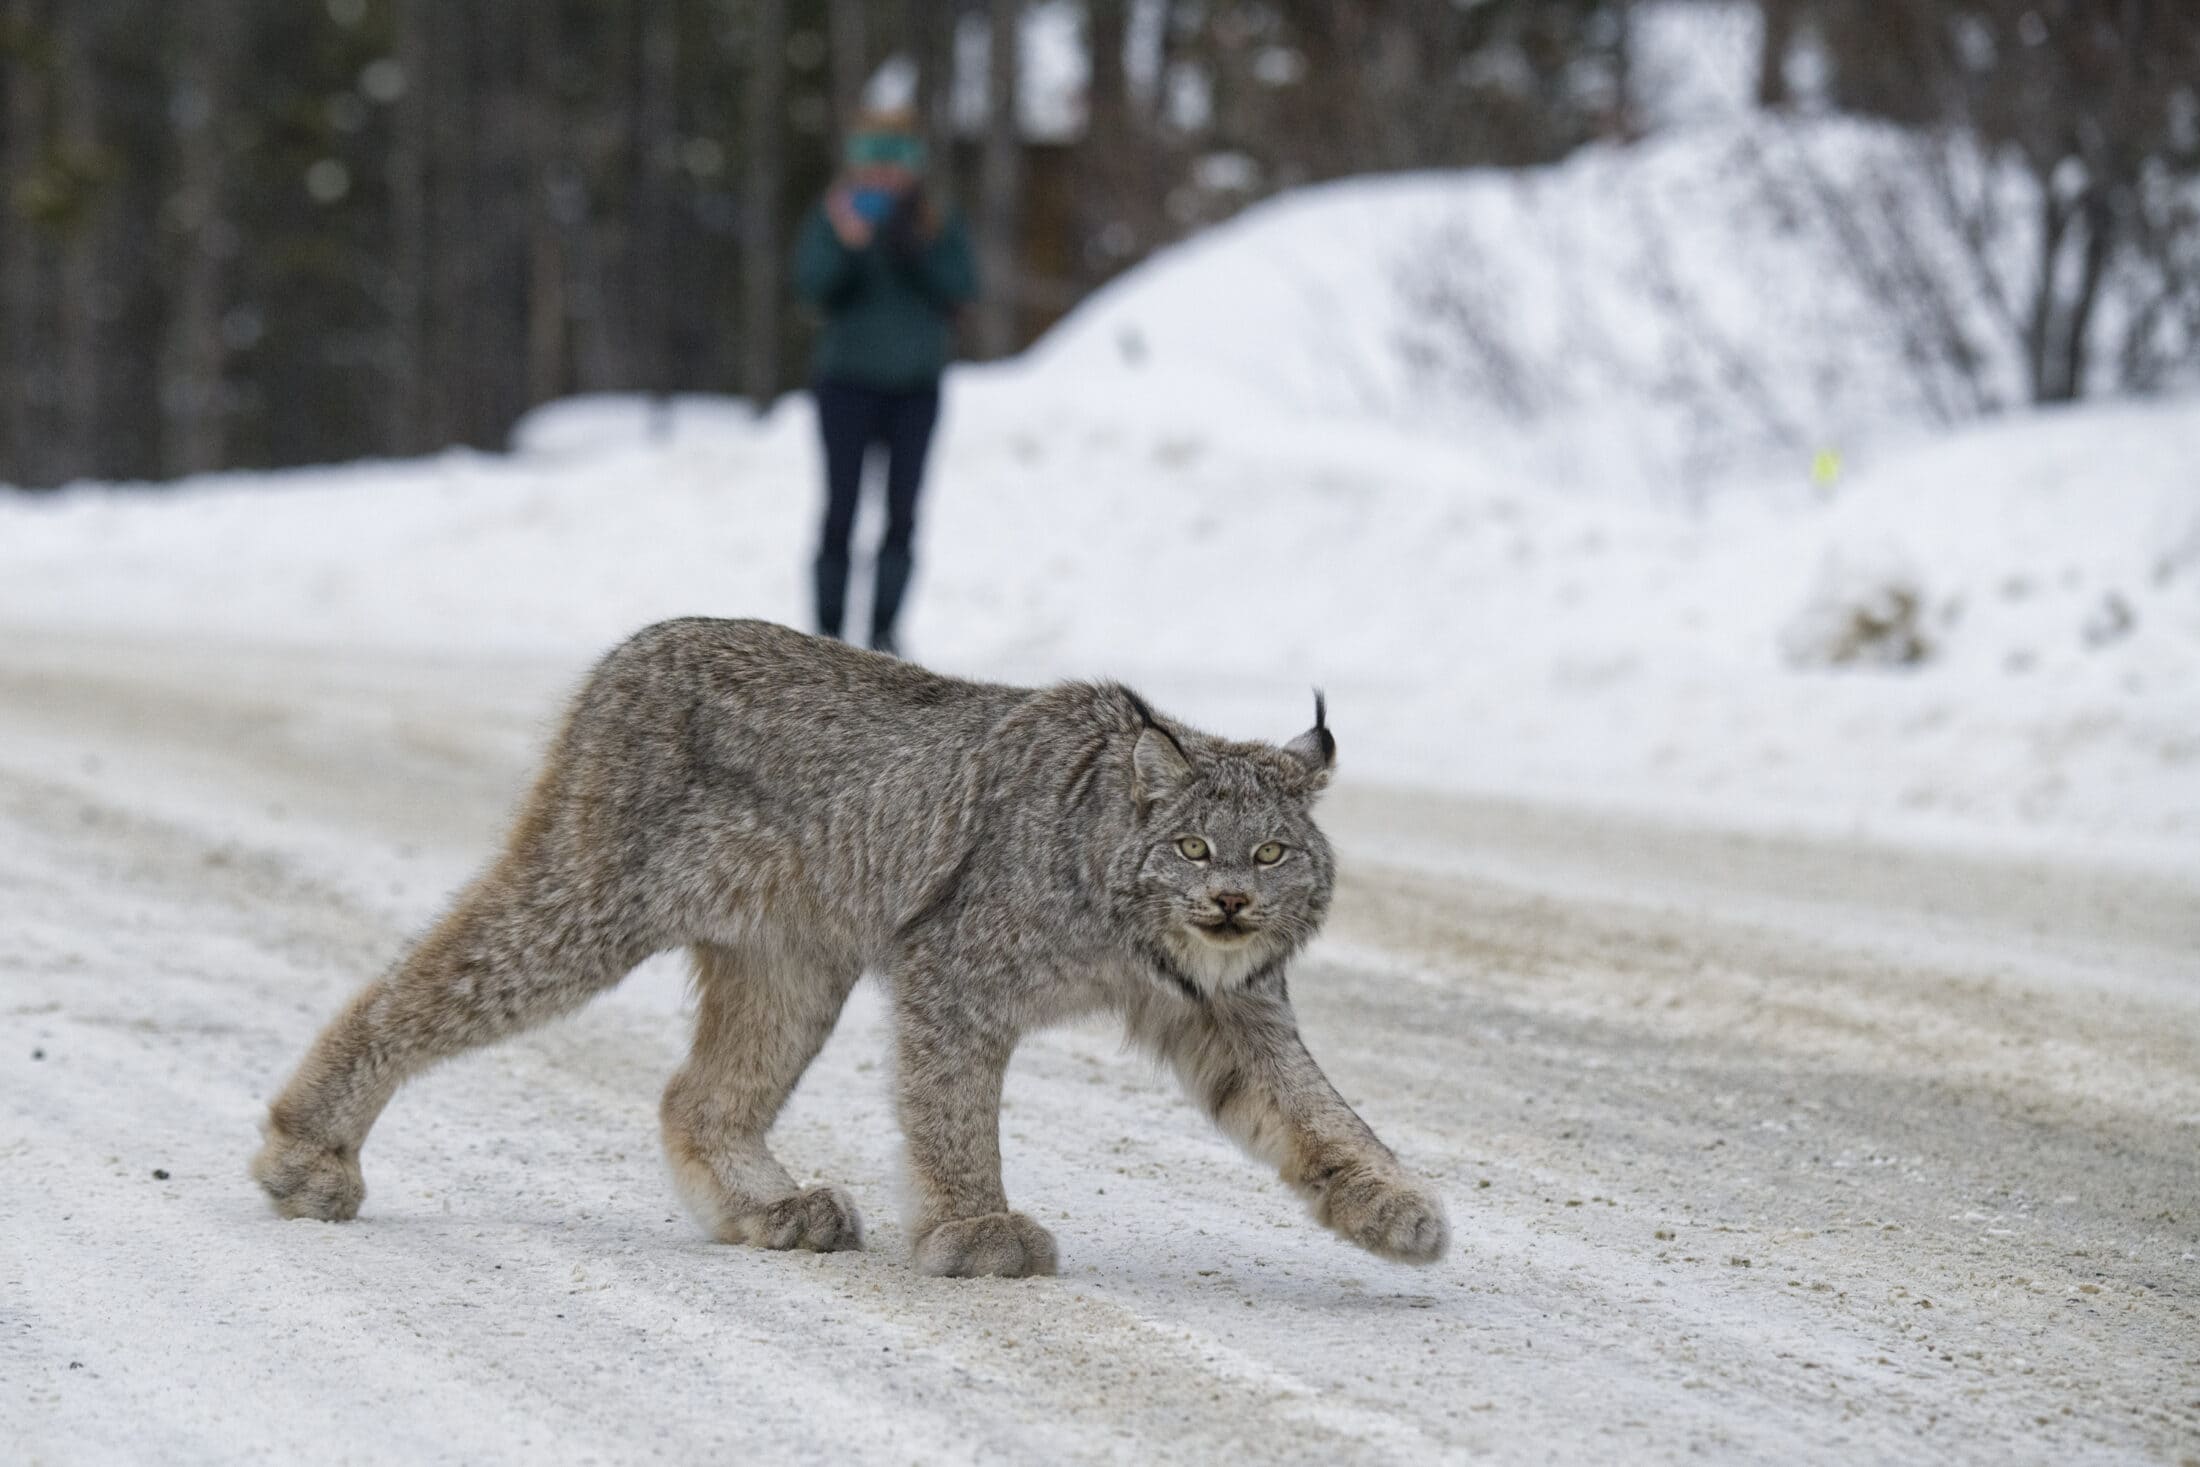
x=1269, y=853
x=1191, y=848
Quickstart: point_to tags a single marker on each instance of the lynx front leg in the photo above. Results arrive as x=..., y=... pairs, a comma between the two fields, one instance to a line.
x=951, y=1066
x=1240, y=1056
x=760, y=1024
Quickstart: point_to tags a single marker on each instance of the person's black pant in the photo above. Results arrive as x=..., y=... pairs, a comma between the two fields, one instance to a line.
x=852, y=419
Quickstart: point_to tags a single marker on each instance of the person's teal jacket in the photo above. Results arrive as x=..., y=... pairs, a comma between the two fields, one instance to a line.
x=889, y=314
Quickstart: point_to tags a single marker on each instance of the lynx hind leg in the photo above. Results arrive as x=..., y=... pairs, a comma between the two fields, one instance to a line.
x=508, y=956
x=760, y=1021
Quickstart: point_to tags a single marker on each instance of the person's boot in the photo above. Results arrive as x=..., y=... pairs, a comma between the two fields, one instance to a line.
x=893, y=579
x=832, y=593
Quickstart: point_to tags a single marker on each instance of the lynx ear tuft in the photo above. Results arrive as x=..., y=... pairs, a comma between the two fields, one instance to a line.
x=1317, y=747
x=1158, y=762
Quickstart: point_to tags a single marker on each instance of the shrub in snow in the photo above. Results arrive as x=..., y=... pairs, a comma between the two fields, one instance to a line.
x=1862, y=611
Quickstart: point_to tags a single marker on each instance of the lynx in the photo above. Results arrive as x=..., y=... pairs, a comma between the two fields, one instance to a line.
x=797, y=812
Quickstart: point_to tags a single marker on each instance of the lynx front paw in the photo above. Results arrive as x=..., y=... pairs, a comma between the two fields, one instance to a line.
x=307, y=1179
x=821, y=1219
x=1385, y=1216
x=999, y=1244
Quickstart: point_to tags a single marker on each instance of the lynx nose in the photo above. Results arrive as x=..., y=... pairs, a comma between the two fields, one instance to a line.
x=1231, y=902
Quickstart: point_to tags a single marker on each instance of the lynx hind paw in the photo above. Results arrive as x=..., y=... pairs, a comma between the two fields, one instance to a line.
x=819, y=1219
x=995, y=1244
x=307, y=1179
x=1393, y=1219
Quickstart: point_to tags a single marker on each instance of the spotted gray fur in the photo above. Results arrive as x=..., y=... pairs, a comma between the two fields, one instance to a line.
x=797, y=812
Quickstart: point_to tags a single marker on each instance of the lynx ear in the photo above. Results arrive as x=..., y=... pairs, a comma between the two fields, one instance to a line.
x=1158, y=765
x=1158, y=762
x=1317, y=747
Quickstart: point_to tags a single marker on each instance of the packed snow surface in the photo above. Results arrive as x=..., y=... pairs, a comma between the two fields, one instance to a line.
x=1756, y=1148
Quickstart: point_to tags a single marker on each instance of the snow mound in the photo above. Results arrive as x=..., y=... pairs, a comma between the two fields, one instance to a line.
x=2046, y=541
x=1710, y=303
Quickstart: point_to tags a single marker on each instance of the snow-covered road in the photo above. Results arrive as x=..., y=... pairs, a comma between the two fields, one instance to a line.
x=1757, y=1148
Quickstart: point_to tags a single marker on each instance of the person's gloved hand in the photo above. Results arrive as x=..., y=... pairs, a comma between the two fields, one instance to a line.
x=855, y=231
x=910, y=227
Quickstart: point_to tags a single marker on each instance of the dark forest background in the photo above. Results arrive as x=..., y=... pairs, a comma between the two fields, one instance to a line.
x=240, y=233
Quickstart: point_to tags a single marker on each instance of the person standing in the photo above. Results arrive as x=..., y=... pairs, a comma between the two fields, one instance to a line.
x=890, y=267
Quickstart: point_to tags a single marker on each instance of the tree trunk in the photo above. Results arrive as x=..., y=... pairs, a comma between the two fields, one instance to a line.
x=2041, y=327
x=1774, y=43
x=450, y=415
x=932, y=27
x=600, y=235
x=408, y=383
x=760, y=265
x=2067, y=368
x=1000, y=185
x=504, y=205
x=850, y=58
x=1109, y=95
x=1107, y=168
x=655, y=138
x=546, y=306
x=82, y=246
x=193, y=390
x=1623, y=71
x=22, y=280
x=1156, y=101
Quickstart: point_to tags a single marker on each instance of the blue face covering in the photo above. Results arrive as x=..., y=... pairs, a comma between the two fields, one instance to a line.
x=899, y=149
x=873, y=204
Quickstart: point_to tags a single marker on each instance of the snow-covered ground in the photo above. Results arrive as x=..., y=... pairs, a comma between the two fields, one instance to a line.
x=1772, y=821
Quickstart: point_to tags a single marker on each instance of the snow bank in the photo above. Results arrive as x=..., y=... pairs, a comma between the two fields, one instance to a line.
x=1708, y=305
x=1473, y=630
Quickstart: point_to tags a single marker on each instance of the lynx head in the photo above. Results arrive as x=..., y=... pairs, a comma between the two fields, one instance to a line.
x=1225, y=874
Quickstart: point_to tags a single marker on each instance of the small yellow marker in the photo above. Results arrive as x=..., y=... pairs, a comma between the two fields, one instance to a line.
x=1825, y=467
